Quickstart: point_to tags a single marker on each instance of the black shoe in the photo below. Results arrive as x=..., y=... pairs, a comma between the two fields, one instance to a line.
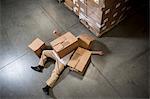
x=46, y=89
x=38, y=68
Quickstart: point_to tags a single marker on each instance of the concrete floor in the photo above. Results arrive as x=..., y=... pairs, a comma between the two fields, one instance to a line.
x=120, y=74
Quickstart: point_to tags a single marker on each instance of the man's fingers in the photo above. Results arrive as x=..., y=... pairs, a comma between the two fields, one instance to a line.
x=101, y=53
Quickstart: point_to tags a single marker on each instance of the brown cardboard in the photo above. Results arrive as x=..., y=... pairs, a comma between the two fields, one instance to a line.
x=37, y=46
x=85, y=40
x=101, y=15
x=69, y=4
x=80, y=59
x=64, y=44
x=76, y=7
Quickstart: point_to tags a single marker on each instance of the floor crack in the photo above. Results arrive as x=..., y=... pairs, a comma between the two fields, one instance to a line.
x=13, y=61
x=107, y=80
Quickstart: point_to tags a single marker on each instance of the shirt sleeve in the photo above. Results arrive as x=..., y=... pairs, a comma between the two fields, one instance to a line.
x=65, y=59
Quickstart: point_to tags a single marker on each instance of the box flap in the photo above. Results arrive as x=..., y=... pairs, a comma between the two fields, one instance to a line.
x=36, y=44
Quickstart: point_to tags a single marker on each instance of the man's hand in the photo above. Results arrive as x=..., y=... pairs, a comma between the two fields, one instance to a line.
x=56, y=33
x=98, y=52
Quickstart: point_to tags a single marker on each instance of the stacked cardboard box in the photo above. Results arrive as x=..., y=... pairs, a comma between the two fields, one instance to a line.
x=73, y=5
x=69, y=4
x=101, y=15
x=76, y=7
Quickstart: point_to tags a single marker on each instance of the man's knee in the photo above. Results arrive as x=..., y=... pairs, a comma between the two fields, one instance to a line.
x=44, y=52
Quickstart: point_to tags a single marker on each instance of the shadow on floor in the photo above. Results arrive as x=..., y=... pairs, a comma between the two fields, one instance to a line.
x=97, y=45
x=134, y=26
x=51, y=94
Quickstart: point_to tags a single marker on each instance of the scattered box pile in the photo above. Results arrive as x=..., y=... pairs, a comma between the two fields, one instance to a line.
x=37, y=46
x=99, y=16
x=65, y=44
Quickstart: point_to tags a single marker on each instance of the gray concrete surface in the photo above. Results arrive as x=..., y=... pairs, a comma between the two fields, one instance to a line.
x=120, y=74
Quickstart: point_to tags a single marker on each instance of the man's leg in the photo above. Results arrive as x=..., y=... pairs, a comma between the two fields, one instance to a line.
x=43, y=59
x=59, y=67
x=44, y=56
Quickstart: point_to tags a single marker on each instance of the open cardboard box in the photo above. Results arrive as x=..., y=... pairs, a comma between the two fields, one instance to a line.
x=80, y=60
x=37, y=46
x=85, y=41
x=64, y=44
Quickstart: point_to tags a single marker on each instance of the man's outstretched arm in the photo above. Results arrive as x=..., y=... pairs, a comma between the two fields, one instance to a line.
x=97, y=53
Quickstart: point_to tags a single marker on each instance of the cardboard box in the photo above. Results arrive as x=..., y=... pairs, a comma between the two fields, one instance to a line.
x=99, y=16
x=85, y=41
x=69, y=4
x=37, y=46
x=76, y=7
x=64, y=44
x=80, y=60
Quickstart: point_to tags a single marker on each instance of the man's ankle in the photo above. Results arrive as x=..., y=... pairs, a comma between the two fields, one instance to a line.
x=47, y=87
x=41, y=67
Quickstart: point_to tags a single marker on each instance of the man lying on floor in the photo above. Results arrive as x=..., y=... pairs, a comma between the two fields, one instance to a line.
x=59, y=66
